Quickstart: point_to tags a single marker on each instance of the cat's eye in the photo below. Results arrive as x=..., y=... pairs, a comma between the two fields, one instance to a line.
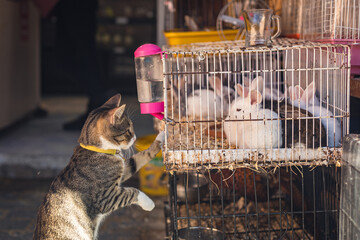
x=238, y=109
x=119, y=138
x=122, y=134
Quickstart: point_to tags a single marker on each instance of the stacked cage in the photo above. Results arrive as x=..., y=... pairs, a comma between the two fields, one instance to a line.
x=251, y=204
x=206, y=20
x=254, y=139
x=333, y=21
x=192, y=21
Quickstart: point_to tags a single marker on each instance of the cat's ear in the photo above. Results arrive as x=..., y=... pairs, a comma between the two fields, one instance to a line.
x=117, y=113
x=114, y=101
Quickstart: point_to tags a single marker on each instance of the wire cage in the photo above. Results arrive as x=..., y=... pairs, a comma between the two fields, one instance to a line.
x=231, y=106
x=349, y=227
x=331, y=20
x=191, y=21
x=205, y=20
x=247, y=204
x=187, y=15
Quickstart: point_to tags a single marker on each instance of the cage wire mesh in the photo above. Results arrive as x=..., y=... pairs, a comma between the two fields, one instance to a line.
x=232, y=106
x=337, y=20
x=349, y=226
x=247, y=204
x=199, y=15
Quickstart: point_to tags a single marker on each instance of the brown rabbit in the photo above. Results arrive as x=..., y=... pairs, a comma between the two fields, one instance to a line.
x=293, y=127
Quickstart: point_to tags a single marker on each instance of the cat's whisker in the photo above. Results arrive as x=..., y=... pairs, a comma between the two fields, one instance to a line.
x=131, y=116
x=131, y=111
x=132, y=151
x=135, y=117
x=125, y=153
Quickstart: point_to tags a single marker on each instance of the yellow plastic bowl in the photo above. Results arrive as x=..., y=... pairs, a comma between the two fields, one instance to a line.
x=144, y=143
x=178, y=38
x=153, y=177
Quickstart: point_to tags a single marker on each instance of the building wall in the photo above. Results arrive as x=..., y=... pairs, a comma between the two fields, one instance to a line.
x=19, y=60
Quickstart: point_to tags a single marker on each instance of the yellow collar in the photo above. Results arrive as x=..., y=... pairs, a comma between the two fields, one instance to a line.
x=100, y=150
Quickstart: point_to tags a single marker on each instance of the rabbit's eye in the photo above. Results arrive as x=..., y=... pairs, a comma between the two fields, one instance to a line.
x=238, y=109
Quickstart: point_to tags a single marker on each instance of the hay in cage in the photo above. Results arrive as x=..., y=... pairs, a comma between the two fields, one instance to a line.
x=279, y=227
x=193, y=136
x=245, y=204
x=216, y=152
x=298, y=90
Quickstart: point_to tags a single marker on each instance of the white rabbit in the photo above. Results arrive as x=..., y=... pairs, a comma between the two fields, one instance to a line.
x=297, y=96
x=266, y=91
x=253, y=133
x=204, y=104
x=307, y=100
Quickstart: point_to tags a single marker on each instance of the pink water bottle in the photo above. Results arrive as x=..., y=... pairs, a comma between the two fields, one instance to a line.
x=149, y=80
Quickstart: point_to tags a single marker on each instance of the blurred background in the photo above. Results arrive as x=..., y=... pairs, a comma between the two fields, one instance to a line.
x=59, y=59
x=64, y=47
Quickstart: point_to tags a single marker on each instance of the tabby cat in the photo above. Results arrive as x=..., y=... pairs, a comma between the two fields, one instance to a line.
x=89, y=188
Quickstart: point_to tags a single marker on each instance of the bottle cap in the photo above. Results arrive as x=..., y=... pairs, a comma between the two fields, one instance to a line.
x=147, y=49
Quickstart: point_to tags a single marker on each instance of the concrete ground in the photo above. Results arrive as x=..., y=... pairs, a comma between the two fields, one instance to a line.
x=20, y=200
x=32, y=154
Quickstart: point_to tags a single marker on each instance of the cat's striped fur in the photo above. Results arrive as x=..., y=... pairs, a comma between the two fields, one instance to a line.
x=89, y=188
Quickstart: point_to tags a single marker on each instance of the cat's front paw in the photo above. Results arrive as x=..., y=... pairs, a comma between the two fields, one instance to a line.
x=161, y=137
x=145, y=202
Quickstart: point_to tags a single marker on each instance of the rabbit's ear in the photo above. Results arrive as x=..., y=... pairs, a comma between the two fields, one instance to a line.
x=291, y=93
x=255, y=97
x=242, y=91
x=295, y=93
x=216, y=84
x=309, y=93
x=299, y=91
x=257, y=84
x=173, y=94
x=181, y=83
x=246, y=81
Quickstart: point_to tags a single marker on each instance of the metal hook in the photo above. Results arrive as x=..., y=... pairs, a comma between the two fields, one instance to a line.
x=202, y=55
x=169, y=121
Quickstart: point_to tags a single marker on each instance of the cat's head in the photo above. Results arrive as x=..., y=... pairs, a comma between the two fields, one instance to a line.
x=108, y=126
